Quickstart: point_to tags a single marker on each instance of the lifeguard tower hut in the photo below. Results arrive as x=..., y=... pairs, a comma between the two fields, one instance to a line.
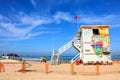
x=92, y=42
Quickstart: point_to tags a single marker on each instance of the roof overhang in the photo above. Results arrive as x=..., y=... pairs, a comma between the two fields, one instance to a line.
x=93, y=26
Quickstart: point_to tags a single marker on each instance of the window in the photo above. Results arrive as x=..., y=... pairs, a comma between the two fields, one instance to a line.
x=95, y=31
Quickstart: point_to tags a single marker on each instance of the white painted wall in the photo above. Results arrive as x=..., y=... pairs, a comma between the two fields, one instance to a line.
x=87, y=39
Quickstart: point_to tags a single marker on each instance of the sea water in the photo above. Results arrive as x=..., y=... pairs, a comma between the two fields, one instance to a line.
x=63, y=58
x=115, y=57
x=37, y=58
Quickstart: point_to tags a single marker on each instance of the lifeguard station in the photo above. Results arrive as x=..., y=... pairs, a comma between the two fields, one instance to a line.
x=92, y=42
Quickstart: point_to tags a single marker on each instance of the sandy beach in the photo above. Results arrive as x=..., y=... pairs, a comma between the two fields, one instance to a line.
x=36, y=71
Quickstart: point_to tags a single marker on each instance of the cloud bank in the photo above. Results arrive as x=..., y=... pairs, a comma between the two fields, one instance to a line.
x=22, y=26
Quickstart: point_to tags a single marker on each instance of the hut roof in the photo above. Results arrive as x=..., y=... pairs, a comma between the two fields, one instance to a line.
x=92, y=27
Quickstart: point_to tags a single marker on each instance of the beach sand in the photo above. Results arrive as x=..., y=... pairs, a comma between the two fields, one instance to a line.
x=61, y=72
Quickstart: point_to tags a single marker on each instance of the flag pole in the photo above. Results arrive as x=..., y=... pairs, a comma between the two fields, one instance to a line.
x=76, y=17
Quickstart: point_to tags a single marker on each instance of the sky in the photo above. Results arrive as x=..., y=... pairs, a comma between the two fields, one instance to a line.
x=35, y=27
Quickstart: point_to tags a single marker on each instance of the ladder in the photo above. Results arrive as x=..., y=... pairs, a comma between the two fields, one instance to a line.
x=55, y=58
x=77, y=46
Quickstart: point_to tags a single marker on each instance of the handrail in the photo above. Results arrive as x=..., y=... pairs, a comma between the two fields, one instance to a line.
x=75, y=58
x=65, y=47
x=77, y=46
x=55, y=58
x=53, y=53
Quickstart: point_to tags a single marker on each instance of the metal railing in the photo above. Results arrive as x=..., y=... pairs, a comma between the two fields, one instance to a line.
x=65, y=47
x=75, y=58
x=55, y=59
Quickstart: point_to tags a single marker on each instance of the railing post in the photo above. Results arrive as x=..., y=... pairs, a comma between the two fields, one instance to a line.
x=23, y=67
x=97, y=69
x=46, y=68
x=72, y=69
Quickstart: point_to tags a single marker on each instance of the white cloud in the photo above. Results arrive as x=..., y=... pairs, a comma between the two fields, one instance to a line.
x=110, y=19
x=63, y=16
x=33, y=19
x=24, y=27
x=33, y=3
x=38, y=33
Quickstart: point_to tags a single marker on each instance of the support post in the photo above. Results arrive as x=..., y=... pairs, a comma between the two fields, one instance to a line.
x=23, y=67
x=46, y=68
x=97, y=69
x=0, y=66
x=72, y=69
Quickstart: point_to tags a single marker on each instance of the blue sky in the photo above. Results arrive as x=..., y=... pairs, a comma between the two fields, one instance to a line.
x=36, y=26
